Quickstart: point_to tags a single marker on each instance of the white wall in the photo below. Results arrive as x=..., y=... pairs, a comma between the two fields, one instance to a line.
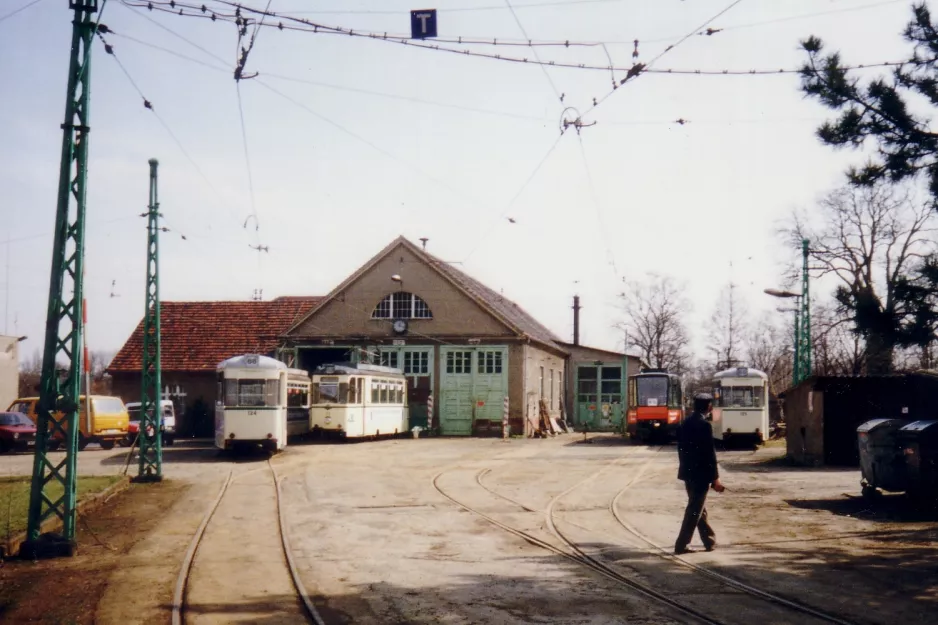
x=9, y=370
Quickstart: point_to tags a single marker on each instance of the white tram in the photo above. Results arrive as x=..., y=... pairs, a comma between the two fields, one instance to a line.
x=252, y=403
x=741, y=405
x=354, y=401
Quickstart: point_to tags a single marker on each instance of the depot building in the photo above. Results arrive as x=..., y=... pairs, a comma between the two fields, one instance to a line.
x=453, y=337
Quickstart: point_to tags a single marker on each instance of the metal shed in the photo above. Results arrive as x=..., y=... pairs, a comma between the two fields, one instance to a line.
x=822, y=413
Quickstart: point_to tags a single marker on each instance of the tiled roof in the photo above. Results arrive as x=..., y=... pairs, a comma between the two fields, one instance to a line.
x=196, y=336
x=512, y=313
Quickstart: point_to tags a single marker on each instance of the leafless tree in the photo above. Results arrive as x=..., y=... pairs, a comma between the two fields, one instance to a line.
x=769, y=348
x=655, y=311
x=869, y=239
x=837, y=349
x=727, y=328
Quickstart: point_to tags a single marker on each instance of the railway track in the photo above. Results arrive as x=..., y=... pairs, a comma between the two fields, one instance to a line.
x=580, y=557
x=183, y=586
x=571, y=550
x=663, y=552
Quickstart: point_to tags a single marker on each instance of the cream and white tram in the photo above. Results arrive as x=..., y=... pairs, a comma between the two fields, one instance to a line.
x=741, y=405
x=252, y=402
x=354, y=401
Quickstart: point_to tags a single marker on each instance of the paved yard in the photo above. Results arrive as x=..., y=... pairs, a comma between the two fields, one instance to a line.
x=470, y=531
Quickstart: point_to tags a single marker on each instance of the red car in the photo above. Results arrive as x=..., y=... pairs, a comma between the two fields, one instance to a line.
x=17, y=431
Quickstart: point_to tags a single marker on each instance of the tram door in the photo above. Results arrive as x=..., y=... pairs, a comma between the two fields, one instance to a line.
x=600, y=404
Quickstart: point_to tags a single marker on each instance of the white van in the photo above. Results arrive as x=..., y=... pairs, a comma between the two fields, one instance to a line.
x=167, y=423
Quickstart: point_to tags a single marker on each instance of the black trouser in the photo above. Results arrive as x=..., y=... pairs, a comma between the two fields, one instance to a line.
x=695, y=515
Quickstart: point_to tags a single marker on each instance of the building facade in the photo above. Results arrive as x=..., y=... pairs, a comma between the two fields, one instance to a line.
x=596, y=388
x=454, y=338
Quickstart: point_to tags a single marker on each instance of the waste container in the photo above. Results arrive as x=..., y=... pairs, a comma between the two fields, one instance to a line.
x=882, y=462
x=919, y=441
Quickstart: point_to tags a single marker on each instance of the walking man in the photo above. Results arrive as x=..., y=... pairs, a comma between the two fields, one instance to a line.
x=698, y=470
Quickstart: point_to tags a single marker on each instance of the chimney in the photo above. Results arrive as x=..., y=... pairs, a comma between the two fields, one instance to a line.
x=576, y=319
x=423, y=240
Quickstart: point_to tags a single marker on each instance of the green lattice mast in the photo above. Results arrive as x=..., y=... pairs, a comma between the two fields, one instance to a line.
x=803, y=364
x=53, y=483
x=151, y=440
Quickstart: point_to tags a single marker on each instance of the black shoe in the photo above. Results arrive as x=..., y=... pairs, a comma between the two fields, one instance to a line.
x=679, y=551
x=711, y=546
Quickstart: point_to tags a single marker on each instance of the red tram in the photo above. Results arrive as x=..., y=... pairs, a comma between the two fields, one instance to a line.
x=656, y=405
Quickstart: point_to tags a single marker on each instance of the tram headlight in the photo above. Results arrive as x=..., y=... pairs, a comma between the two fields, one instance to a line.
x=231, y=436
x=269, y=435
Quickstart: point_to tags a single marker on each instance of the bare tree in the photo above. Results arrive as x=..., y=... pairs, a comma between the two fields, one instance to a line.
x=869, y=239
x=769, y=348
x=727, y=328
x=655, y=311
x=837, y=349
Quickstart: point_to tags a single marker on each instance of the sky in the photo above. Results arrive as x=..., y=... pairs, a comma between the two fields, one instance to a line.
x=352, y=142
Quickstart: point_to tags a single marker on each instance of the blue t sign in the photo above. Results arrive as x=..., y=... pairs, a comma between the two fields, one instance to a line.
x=423, y=24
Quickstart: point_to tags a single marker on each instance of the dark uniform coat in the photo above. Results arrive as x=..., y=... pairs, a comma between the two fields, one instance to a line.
x=697, y=457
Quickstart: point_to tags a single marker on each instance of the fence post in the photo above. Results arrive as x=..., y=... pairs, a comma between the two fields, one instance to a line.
x=429, y=415
x=505, y=419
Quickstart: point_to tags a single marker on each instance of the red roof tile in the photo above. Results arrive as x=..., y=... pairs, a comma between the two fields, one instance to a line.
x=196, y=336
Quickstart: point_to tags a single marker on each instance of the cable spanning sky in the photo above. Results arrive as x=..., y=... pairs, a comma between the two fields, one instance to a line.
x=351, y=141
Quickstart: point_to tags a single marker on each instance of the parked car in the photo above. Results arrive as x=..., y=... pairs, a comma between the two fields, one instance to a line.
x=106, y=425
x=167, y=422
x=17, y=432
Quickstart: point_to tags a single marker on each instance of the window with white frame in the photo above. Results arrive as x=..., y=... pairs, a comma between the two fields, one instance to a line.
x=389, y=359
x=490, y=362
x=459, y=362
x=402, y=305
x=551, y=404
x=541, y=383
x=416, y=363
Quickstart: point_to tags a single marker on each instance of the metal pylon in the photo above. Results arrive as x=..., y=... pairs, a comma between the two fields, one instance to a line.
x=803, y=362
x=151, y=440
x=53, y=483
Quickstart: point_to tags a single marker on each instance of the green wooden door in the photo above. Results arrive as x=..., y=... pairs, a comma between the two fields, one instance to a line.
x=473, y=386
x=417, y=365
x=599, y=400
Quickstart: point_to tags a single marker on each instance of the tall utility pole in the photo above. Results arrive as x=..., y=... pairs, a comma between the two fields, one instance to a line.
x=53, y=484
x=151, y=440
x=803, y=362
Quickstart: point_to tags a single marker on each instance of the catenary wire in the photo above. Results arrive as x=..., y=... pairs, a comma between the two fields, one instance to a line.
x=149, y=106
x=336, y=87
x=630, y=71
x=19, y=10
x=530, y=5
x=643, y=66
x=598, y=208
x=514, y=198
x=535, y=52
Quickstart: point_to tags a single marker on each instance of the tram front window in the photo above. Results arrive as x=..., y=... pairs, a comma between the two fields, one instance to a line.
x=251, y=393
x=652, y=391
x=740, y=397
x=330, y=391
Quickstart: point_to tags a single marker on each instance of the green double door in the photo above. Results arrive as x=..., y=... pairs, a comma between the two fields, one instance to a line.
x=417, y=365
x=599, y=401
x=473, y=386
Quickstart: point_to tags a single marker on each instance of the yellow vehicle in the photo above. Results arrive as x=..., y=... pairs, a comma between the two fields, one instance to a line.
x=106, y=426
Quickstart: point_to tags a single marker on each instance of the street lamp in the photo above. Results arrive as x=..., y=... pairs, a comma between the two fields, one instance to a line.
x=795, y=377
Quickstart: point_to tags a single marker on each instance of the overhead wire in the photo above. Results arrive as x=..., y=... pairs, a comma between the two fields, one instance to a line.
x=370, y=144
x=19, y=10
x=514, y=198
x=598, y=209
x=529, y=5
x=326, y=85
x=109, y=49
x=639, y=68
x=535, y=52
x=631, y=72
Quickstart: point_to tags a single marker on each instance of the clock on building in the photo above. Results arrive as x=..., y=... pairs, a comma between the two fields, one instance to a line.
x=399, y=326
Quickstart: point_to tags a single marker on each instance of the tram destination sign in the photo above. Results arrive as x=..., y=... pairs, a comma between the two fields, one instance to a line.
x=423, y=23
